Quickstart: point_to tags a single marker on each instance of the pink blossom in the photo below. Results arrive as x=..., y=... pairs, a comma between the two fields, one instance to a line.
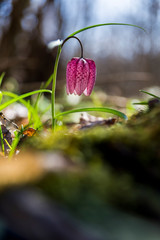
x=81, y=76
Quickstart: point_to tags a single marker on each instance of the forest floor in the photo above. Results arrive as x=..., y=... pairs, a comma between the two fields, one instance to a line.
x=99, y=178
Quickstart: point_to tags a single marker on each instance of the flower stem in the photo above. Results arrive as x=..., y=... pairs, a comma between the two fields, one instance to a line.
x=78, y=41
x=54, y=87
x=55, y=76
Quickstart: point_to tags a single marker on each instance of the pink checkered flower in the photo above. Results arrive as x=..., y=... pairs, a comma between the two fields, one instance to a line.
x=81, y=76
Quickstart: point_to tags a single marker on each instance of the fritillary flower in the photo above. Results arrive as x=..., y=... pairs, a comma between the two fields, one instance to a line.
x=80, y=76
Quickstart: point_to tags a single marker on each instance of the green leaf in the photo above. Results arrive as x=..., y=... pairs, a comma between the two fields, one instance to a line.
x=149, y=94
x=48, y=81
x=38, y=97
x=141, y=103
x=1, y=96
x=104, y=24
x=2, y=143
x=6, y=104
x=1, y=77
x=31, y=110
x=96, y=109
x=14, y=144
x=14, y=95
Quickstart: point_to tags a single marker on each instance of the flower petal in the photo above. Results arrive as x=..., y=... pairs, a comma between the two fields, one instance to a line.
x=71, y=75
x=92, y=77
x=82, y=76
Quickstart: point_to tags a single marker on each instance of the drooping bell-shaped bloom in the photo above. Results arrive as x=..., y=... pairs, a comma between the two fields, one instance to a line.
x=81, y=76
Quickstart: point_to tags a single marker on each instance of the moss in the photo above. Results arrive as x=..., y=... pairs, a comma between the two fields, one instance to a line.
x=96, y=187
x=119, y=165
x=132, y=146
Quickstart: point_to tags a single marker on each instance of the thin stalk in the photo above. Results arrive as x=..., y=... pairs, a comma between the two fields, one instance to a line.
x=55, y=76
x=65, y=40
x=96, y=109
x=2, y=143
x=77, y=40
x=54, y=86
x=8, y=143
x=14, y=145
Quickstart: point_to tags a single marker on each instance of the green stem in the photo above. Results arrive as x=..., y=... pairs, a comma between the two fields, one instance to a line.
x=57, y=60
x=77, y=40
x=2, y=143
x=55, y=77
x=54, y=87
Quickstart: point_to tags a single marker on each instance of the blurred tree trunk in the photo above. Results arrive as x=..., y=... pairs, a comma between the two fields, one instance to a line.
x=24, y=56
x=7, y=43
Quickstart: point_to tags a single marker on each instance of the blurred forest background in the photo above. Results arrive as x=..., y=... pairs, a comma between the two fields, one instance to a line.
x=127, y=59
